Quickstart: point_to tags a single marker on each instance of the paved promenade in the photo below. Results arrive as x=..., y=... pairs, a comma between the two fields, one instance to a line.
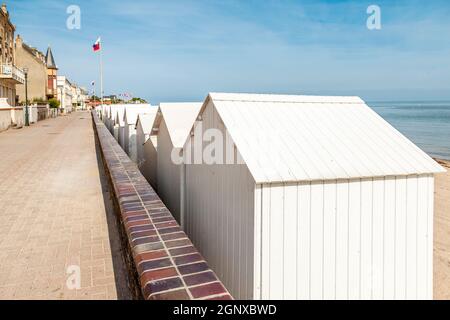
x=53, y=215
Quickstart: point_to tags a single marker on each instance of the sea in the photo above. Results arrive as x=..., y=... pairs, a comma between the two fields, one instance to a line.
x=427, y=124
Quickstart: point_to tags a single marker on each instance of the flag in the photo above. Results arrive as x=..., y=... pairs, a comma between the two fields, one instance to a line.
x=96, y=45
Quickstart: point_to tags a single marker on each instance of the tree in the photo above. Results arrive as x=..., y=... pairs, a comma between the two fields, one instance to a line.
x=138, y=100
x=54, y=103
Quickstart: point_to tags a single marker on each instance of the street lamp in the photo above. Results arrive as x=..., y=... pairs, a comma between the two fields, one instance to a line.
x=27, y=118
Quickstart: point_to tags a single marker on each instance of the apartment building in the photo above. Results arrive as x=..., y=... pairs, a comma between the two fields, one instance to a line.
x=34, y=61
x=64, y=93
x=79, y=97
x=10, y=74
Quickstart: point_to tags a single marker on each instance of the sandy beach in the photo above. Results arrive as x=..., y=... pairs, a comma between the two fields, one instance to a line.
x=442, y=234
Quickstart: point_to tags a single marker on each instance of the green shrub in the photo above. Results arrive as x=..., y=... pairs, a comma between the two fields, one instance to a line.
x=54, y=103
x=38, y=100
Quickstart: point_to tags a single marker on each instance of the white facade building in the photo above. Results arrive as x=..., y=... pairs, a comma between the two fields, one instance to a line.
x=64, y=93
x=146, y=147
x=329, y=202
x=79, y=97
x=172, y=125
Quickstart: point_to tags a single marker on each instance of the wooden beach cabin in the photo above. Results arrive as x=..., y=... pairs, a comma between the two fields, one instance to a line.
x=146, y=146
x=329, y=201
x=172, y=125
x=129, y=117
x=120, y=125
x=111, y=119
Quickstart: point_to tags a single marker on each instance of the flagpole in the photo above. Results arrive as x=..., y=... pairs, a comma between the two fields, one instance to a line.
x=101, y=73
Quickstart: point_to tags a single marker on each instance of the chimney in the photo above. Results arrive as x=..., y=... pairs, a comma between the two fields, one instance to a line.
x=5, y=11
x=19, y=40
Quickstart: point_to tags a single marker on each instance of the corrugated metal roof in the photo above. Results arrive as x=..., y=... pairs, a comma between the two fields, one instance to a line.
x=179, y=118
x=132, y=111
x=304, y=138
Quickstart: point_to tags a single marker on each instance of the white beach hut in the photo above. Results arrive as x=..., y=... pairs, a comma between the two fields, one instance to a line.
x=103, y=112
x=172, y=125
x=111, y=114
x=119, y=125
x=329, y=201
x=108, y=117
x=130, y=117
x=146, y=146
x=99, y=111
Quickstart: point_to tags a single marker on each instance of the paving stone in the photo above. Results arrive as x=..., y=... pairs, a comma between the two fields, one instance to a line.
x=54, y=215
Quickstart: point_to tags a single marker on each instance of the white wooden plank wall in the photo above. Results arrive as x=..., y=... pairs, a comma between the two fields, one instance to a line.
x=358, y=239
x=220, y=202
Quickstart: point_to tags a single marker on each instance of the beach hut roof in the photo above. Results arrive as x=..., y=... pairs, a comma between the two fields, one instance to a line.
x=147, y=119
x=112, y=110
x=179, y=118
x=132, y=111
x=119, y=112
x=287, y=138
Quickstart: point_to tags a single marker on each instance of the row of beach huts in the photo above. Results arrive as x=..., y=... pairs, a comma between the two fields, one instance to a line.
x=290, y=197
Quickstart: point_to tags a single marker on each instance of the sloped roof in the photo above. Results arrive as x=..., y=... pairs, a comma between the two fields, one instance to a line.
x=179, y=118
x=286, y=138
x=105, y=110
x=119, y=113
x=132, y=111
x=50, y=61
x=110, y=110
x=115, y=113
x=147, y=119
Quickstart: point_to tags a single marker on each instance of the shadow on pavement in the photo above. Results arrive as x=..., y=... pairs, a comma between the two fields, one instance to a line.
x=121, y=274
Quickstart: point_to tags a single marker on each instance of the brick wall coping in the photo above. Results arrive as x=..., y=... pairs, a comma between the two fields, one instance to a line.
x=10, y=108
x=169, y=267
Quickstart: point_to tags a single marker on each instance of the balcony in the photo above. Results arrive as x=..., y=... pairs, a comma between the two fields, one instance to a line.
x=11, y=72
x=51, y=92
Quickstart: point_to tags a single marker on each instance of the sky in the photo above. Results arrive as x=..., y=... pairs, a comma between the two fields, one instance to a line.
x=179, y=50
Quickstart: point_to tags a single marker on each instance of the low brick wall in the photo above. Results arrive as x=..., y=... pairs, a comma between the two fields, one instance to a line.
x=165, y=264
